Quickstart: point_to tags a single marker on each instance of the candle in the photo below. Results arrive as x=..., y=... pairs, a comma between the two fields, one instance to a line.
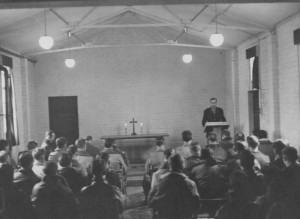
x=125, y=124
x=141, y=124
x=125, y=128
x=141, y=127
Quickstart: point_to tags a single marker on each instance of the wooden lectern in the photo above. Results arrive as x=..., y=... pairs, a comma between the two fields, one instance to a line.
x=216, y=127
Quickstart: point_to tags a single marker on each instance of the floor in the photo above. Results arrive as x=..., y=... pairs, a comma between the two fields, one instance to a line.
x=135, y=208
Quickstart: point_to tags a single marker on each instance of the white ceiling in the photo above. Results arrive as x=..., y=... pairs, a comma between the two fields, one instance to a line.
x=147, y=25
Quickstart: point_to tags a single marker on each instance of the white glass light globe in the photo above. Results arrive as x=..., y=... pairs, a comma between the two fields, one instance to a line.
x=70, y=63
x=216, y=39
x=46, y=42
x=187, y=58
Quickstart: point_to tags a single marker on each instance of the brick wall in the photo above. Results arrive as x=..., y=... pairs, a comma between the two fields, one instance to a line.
x=279, y=82
x=151, y=84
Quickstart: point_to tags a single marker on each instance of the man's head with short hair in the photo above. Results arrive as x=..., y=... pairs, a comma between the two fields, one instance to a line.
x=206, y=153
x=109, y=142
x=253, y=142
x=212, y=138
x=247, y=159
x=213, y=102
x=65, y=160
x=61, y=142
x=4, y=145
x=26, y=160
x=186, y=135
x=279, y=145
x=89, y=139
x=239, y=146
x=32, y=145
x=50, y=135
x=290, y=156
x=98, y=168
x=104, y=156
x=71, y=150
x=39, y=154
x=238, y=182
x=195, y=149
x=80, y=143
x=50, y=168
x=176, y=163
x=160, y=141
x=3, y=156
x=168, y=153
x=239, y=136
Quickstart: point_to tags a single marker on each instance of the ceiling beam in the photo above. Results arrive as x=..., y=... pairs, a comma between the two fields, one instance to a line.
x=76, y=3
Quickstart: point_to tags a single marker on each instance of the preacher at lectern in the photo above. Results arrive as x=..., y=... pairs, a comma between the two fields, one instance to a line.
x=212, y=114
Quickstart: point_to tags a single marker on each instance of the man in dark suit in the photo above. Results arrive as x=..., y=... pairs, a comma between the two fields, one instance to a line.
x=213, y=114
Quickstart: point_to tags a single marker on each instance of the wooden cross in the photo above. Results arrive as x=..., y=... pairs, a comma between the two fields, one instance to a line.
x=133, y=122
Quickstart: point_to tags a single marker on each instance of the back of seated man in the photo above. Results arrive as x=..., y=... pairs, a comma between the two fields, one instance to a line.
x=48, y=143
x=115, y=158
x=90, y=148
x=278, y=146
x=226, y=141
x=153, y=162
x=112, y=177
x=39, y=162
x=253, y=144
x=61, y=145
x=195, y=159
x=84, y=159
x=176, y=196
x=217, y=151
x=101, y=200
x=25, y=178
x=184, y=150
x=209, y=176
x=164, y=168
x=31, y=145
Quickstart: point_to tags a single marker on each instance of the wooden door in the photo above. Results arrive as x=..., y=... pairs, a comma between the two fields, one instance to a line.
x=63, y=116
x=254, y=110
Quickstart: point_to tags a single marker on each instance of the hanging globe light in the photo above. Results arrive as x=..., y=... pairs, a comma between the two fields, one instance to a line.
x=70, y=63
x=187, y=58
x=46, y=42
x=216, y=39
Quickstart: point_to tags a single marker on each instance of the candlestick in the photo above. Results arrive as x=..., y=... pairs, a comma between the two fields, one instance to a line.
x=125, y=128
x=141, y=128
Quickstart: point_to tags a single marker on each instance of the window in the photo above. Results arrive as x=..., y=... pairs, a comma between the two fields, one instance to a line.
x=9, y=126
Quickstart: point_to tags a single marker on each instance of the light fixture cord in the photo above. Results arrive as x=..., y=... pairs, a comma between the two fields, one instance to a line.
x=45, y=21
x=216, y=19
x=69, y=53
x=185, y=30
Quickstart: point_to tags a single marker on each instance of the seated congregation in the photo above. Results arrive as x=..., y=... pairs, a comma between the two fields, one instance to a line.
x=228, y=179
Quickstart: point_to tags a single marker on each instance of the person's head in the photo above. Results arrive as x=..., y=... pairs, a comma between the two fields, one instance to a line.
x=237, y=186
x=71, y=150
x=6, y=175
x=213, y=102
x=89, y=139
x=290, y=156
x=26, y=160
x=3, y=156
x=195, y=149
x=239, y=146
x=109, y=142
x=168, y=153
x=65, y=160
x=239, y=136
x=50, y=168
x=186, y=135
x=50, y=135
x=225, y=134
x=206, y=153
x=274, y=181
x=247, y=160
x=32, y=145
x=61, y=142
x=39, y=154
x=80, y=143
x=4, y=145
x=253, y=142
x=279, y=145
x=160, y=141
x=98, y=169
x=176, y=163
x=212, y=138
